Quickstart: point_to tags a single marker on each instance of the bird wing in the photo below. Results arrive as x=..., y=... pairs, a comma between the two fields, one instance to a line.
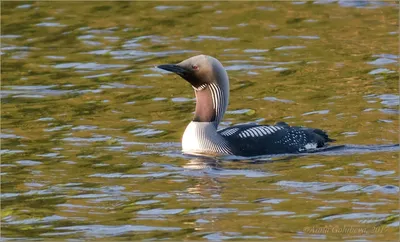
x=252, y=139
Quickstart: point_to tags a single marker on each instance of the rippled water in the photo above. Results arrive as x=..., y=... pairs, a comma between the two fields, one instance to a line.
x=91, y=129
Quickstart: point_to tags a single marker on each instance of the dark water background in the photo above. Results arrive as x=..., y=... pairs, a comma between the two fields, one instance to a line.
x=90, y=129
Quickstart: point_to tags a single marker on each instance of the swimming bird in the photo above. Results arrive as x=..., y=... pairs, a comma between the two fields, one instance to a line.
x=210, y=82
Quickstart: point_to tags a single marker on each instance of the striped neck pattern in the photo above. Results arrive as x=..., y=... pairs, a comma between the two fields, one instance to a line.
x=219, y=102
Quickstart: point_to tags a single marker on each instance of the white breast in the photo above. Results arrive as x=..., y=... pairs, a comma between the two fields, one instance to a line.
x=202, y=137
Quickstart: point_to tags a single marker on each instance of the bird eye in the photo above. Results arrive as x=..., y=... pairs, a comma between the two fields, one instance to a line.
x=195, y=67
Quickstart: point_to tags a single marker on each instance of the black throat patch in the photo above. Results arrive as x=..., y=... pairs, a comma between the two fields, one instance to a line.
x=205, y=111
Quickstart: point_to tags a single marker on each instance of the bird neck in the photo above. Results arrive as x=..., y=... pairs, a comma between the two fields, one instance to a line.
x=211, y=104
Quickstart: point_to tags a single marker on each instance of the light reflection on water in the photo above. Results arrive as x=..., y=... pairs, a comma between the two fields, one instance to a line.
x=91, y=129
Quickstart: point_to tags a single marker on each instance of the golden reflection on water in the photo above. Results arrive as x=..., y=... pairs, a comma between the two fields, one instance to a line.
x=91, y=130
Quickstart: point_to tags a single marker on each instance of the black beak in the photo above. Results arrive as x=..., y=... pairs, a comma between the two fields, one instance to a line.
x=174, y=68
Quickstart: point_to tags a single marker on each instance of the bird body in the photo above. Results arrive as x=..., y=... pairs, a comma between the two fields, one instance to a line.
x=211, y=86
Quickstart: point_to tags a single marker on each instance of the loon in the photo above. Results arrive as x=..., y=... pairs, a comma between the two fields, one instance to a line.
x=210, y=82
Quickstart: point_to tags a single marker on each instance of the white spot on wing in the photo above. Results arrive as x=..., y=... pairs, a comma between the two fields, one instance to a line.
x=310, y=146
x=269, y=130
x=257, y=131
x=248, y=133
x=273, y=128
x=229, y=131
x=251, y=132
x=262, y=131
x=255, y=134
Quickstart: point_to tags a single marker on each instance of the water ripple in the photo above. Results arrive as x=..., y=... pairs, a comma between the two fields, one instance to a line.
x=89, y=66
x=209, y=37
x=50, y=24
x=99, y=231
x=358, y=216
x=274, y=99
x=159, y=211
x=382, y=61
x=293, y=47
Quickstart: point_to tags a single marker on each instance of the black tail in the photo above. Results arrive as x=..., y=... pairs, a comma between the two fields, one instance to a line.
x=319, y=132
x=323, y=134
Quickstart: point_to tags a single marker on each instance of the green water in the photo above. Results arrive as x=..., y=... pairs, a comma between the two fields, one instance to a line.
x=90, y=129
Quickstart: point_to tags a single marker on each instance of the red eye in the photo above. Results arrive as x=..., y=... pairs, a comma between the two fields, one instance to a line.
x=194, y=67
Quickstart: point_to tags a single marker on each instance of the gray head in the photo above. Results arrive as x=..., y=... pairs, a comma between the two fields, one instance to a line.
x=210, y=82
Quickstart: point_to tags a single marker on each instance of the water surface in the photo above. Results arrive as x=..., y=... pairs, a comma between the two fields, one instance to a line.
x=91, y=129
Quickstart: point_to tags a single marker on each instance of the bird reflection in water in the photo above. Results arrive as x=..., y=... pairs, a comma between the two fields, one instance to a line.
x=208, y=187
x=206, y=168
